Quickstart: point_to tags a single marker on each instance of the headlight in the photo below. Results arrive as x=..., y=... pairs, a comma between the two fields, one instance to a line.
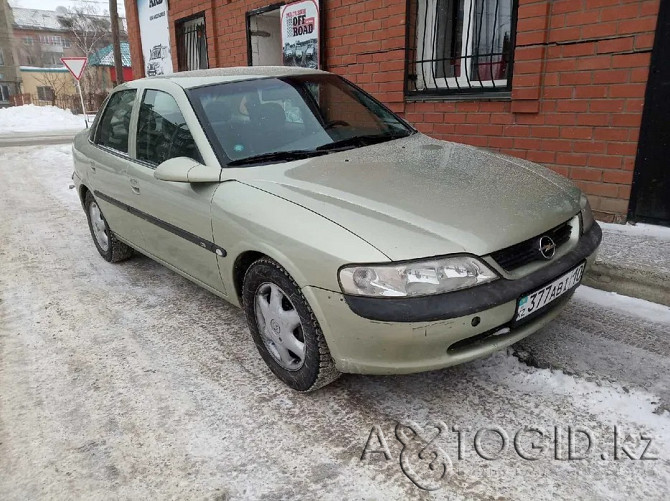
x=418, y=278
x=587, y=215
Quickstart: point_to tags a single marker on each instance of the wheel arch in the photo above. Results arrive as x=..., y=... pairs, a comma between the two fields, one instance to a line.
x=242, y=263
x=251, y=254
x=83, y=190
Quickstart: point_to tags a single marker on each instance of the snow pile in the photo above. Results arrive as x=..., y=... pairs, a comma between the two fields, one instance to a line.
x=31, y=118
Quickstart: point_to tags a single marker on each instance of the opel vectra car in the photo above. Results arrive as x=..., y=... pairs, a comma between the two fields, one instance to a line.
x=352, y=242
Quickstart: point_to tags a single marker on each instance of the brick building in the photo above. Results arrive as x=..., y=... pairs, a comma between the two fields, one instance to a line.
x=558, y=82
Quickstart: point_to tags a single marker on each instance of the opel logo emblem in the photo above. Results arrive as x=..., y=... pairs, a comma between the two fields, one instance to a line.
x=547, y=247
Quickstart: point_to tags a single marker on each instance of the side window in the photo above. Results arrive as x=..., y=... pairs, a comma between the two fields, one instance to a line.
x=112, y=131
x=162, y=132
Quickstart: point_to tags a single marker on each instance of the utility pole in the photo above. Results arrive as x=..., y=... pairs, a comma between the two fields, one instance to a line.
x=116, y=43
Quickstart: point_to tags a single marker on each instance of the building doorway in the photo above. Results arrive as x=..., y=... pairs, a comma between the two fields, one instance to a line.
x=264, y=37
x=650, y=196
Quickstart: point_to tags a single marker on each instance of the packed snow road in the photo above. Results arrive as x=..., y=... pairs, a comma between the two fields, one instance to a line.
x=127, y=381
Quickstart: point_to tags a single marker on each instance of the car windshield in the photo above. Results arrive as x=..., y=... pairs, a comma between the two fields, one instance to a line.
x=279, y=119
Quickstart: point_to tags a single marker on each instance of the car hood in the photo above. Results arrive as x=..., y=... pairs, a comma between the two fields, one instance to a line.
x=418, y=197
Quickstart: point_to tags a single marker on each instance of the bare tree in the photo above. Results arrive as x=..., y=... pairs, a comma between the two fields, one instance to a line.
x=58, y=82
x=88, y=32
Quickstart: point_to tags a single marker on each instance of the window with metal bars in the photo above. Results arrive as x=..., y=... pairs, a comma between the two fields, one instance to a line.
x=192, y=43
x=460, y=46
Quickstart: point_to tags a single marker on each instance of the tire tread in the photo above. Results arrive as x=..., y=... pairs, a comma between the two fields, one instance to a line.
x=327, y=371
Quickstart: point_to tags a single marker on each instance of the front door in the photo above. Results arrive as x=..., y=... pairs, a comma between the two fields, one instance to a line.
x=650, y=196
x=175, y=217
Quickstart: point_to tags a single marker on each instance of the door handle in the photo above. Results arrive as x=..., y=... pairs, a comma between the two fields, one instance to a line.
x=135, y=185
x=92, y=166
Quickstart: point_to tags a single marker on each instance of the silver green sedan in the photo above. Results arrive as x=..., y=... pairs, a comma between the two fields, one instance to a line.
x=352, y=242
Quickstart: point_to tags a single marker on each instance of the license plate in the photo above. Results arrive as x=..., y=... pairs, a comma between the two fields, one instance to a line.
x=540, y=298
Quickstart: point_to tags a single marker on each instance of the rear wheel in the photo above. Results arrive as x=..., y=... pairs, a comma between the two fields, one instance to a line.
x=284, y=328
x=109, y=247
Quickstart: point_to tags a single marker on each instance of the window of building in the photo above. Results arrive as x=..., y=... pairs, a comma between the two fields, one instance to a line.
x=51, y=59
x=45, y=93
x=2, y=58
x=27, y=40
x=4, y=93
x=192, y=43
x=162, y=132
x=112, y=132
x=460, y=46
x=66, y=42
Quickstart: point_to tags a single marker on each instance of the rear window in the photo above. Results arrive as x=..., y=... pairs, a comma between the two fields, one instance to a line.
x=112, y=131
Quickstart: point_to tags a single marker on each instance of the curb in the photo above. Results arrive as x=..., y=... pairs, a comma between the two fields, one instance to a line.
x=638, y=283
x=633, y=261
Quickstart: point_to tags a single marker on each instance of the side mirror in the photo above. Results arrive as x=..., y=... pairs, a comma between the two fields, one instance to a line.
x=186, y=170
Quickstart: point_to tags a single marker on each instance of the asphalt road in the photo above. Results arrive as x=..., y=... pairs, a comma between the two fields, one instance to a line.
x=37, y=138
x=128, y=381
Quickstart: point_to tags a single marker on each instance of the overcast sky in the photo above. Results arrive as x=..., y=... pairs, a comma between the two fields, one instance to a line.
x=102, y=6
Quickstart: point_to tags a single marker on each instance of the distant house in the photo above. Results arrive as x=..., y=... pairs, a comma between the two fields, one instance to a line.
x=104, y=58
x=10, y=79
x=41, y=40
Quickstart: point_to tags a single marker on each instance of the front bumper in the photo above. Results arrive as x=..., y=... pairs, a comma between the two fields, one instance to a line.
x=428, y=333
x=467, y=301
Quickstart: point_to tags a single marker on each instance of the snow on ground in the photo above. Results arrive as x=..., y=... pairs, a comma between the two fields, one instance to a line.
x=126, y=380
x=634, y=306
x=638, y=229
x=31, y=118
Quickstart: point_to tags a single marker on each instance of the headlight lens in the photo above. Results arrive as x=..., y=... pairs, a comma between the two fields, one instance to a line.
x=587, y=215
x=418, y=278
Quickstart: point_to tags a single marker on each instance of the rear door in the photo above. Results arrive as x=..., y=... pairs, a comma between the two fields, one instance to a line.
x=176, y=219
x=109, y=160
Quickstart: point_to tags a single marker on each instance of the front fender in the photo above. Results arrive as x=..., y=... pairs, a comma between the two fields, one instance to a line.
x=310, y=247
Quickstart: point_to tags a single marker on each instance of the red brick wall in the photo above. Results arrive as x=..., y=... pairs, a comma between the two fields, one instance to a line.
x=580, y=73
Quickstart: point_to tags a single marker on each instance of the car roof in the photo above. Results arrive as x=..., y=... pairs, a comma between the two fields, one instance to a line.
x=196, y=78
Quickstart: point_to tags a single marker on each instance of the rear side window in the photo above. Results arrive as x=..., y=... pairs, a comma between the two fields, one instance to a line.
x=112, y=131
x=162, y=132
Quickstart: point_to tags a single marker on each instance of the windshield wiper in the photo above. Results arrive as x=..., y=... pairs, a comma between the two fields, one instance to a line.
x=364, y=140
x=277, y=156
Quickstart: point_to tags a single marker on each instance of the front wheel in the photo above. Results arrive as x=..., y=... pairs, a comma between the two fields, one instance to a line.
x=284, y=328
x=110, y=248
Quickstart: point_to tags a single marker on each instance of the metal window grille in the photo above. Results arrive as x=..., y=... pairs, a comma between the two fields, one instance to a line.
x=192, y=44
x=460, y=46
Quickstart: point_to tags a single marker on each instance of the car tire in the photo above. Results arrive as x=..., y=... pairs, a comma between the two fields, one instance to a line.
x=273, y=304
x=110, y=248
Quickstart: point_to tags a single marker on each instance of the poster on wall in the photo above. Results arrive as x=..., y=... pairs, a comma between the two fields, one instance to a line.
x=155, y=36
x=300, y=34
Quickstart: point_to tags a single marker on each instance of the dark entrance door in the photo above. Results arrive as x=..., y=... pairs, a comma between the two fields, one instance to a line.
x=650, y=197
